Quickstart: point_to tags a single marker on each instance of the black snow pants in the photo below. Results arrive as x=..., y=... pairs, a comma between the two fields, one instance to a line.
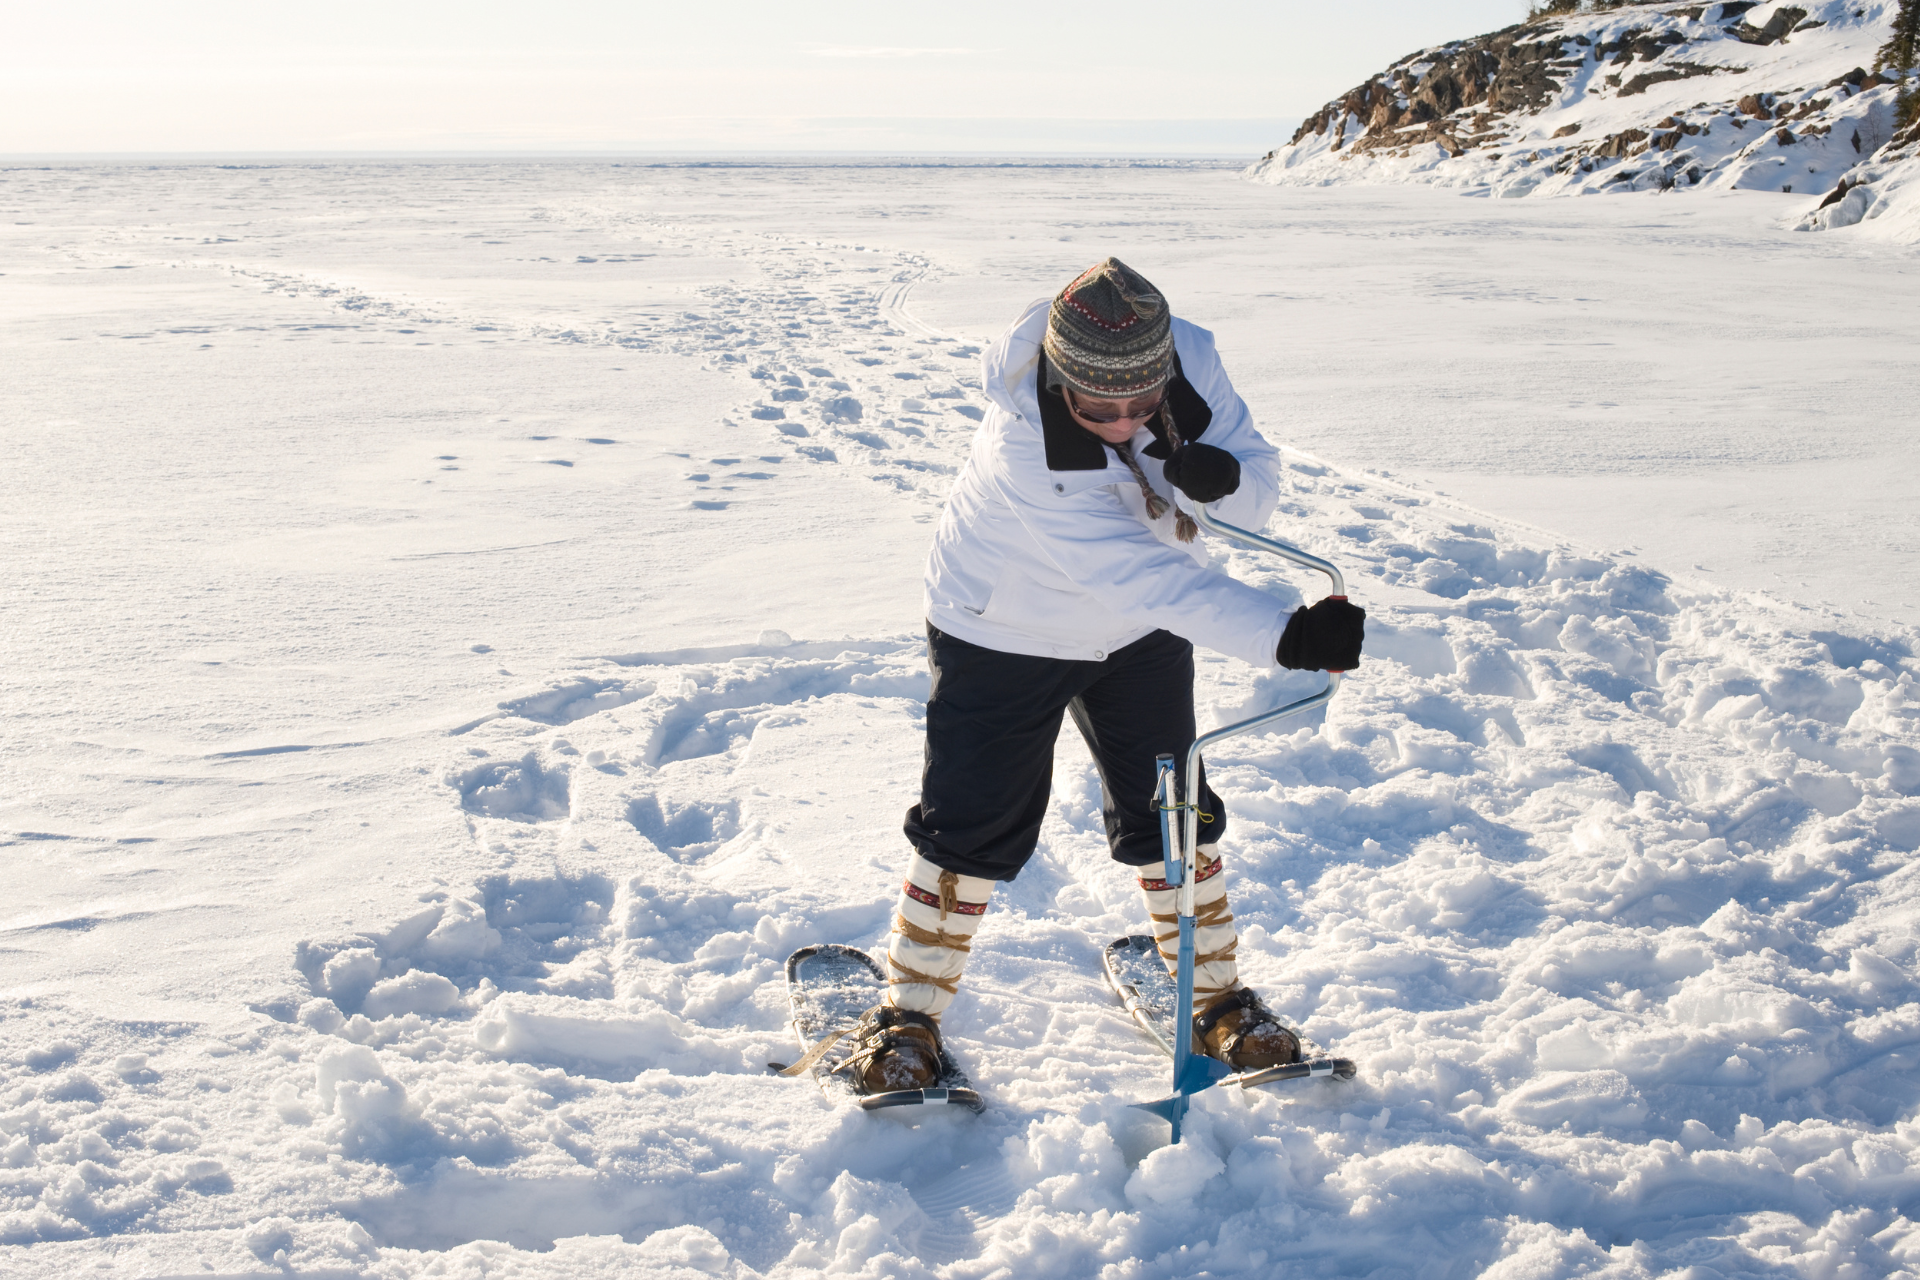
x=992, y=719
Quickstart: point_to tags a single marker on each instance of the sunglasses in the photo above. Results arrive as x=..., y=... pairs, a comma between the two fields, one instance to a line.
x=1108, y=419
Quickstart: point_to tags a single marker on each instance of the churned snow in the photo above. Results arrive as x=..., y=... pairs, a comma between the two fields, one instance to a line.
x=463, y=633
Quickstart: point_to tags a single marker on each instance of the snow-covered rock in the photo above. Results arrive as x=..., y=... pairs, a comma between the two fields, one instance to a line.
x=1637, y=97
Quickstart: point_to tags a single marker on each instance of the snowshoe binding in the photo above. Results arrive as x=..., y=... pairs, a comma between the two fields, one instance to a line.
x=1242, y=1032
x=894, y=1049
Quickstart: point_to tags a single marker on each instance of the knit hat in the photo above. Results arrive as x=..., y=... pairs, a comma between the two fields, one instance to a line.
x=1109, y=334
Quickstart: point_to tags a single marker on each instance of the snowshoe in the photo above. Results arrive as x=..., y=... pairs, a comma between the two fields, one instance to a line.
x=1238, y=1031
x=857, y=1048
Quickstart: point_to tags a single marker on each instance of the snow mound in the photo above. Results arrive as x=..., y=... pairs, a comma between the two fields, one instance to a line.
x=1880, y=197
x=1638, y=97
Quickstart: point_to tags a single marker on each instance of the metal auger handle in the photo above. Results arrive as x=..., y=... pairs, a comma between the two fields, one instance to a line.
x=1193, y=1072
x=1206, y=520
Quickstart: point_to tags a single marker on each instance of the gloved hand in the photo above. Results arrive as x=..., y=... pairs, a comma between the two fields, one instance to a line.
x=1202, y=472
x=1324, y=638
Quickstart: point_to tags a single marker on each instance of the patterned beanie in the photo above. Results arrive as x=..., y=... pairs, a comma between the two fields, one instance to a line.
x=1109, y=334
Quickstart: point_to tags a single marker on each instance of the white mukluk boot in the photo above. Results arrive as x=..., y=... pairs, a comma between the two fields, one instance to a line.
x=1231, y=1022
x=933, y=927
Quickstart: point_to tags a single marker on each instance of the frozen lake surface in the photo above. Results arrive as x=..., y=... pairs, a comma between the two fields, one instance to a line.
x=461, y=634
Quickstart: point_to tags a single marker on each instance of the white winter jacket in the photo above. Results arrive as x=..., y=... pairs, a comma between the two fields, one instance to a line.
x=1045, y=547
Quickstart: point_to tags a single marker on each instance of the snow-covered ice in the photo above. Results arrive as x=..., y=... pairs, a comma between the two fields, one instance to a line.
x=462, y=635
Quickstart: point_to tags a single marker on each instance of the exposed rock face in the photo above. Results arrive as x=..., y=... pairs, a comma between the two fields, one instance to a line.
x=1609, y=100
x=1496, y=74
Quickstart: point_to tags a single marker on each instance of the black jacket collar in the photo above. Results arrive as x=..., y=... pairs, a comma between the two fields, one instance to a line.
x=1071, y=447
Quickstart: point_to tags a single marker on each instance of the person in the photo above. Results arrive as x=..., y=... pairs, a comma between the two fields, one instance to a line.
x=1065, y=578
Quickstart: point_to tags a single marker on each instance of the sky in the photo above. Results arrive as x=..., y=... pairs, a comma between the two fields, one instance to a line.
x=1228, y=77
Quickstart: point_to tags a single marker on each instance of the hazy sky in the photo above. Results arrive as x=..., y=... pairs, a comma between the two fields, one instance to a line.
x=219, y=75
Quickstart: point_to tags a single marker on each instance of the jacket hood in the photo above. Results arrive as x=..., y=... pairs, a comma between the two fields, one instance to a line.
x=1007, y=367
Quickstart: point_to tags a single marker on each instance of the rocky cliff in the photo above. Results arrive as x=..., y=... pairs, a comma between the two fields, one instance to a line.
x=1636, y=97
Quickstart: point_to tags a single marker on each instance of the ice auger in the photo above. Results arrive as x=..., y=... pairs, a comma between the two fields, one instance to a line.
x=1180, y=835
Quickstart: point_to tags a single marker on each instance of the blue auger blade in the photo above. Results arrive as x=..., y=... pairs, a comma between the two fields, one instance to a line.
x=1165, y=1108
x=1202, y=1073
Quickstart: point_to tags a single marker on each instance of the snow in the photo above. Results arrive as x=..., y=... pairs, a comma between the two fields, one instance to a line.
x=440, y=692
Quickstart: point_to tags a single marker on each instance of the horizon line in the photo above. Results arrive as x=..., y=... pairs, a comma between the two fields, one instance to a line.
x=672, y=155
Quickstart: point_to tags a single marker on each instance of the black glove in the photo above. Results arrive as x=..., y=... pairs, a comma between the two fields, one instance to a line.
x=1202, y=472
x=1324, y=638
